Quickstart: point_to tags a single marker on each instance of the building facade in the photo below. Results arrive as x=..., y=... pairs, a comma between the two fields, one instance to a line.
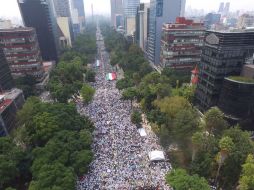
x=245, y=21
x=223, y=55
x=10, y=102
x=22, y=52
x=116, y=13
x=161, y=11
x=78, y=16
x=66, y=32
x=5, y=24
x=130, y=9
x=212, y=19
x=237, y=98
x=181, y=44
x=142, y=24
x=62, y=8
x=40, y=15
x=6, y=81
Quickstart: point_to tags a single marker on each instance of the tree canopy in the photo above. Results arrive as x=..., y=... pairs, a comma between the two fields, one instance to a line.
x=180, y=180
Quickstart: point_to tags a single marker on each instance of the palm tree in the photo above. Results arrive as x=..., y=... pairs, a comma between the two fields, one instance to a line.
x=226, y=145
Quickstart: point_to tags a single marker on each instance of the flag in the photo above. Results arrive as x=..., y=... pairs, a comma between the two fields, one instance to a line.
x=111, y=76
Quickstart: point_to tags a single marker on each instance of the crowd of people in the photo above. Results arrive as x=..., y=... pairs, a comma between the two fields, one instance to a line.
x=120, y=154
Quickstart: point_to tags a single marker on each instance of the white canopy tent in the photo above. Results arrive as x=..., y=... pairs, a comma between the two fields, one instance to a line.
x=142, y=132
x=156, y=155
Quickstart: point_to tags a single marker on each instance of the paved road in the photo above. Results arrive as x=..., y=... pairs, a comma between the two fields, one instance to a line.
x=120, y=154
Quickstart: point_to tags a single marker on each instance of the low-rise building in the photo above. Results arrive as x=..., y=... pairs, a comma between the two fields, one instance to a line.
x=10, y=102
x=22, y=52
x=181, y=44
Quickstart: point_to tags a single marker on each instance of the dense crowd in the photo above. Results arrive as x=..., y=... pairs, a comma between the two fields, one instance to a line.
x=120, y=154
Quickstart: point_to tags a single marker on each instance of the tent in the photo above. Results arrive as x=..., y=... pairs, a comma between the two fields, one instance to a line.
x=97, y=63
x=111, y=76
x=156, y=155
x=142, y=132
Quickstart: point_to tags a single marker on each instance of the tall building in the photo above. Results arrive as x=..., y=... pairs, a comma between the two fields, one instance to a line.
x=39, y=14
x=79, y=5
x=212, y=19
x=227, y=8
x=116, y=13
x=224, y=54
x=161, y=11
x=10, y=102
x=130, y=9
x=183, y=4
x=62, y=8
x=66, y=35
x=221, y=8
x=6, y=81
x=22, y=52
x=181, y=44
x=142, y=25
x=78, y=16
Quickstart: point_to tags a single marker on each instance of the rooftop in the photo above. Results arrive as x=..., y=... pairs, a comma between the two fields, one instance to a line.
x=12, y=94
x=4, y=104
x=235, y=30
x=21, y=29
x=241, y=79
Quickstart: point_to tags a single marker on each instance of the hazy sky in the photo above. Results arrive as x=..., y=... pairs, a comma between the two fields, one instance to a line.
x=9, y=8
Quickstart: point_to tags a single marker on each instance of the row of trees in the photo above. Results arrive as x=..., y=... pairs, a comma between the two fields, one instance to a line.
x=203, y=145
x=69, y=75
x=49, y=150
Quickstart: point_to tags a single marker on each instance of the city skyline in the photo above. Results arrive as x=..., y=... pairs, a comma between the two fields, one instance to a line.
x=9, y=9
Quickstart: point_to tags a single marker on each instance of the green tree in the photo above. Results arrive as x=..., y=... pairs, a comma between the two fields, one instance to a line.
x=214, y=121
x=171, y=106
x=55, y=177
x=187, y=92
x=87, y=93
x=180, y=180
x=226, y=145
x=43, y=127
x=185, y=124
x=136, y=117
x=124, y=83
x=90, y=76
x=246, y=181
x=27, y=84
x=130, y=94
x=10, y=157
x=243, y=146
x=81, y=161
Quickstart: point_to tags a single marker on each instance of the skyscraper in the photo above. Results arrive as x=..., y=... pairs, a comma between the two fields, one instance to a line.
x=223, y=55
x=62, y=8
x=79, y=5
x=78, y=16
x=221, y=8
x=142, y=24
x=227, y=8
x=130, y=9
x=161, y=11
x=39, y=15
x=116, y=13
x=6, y=81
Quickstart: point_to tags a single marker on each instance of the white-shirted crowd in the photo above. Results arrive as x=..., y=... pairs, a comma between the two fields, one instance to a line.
x=120, y=154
